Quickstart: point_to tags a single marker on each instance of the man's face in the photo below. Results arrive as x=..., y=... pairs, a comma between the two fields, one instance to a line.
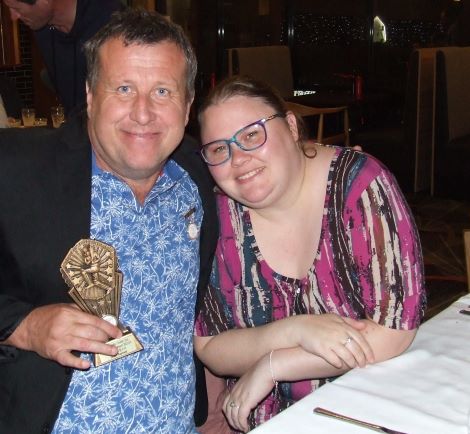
x=138, y=110
x=34, y=16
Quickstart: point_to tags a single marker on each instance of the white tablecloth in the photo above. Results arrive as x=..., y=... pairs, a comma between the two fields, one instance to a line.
x=426, y=390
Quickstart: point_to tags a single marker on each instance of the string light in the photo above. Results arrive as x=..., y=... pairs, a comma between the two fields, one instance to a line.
x=317, y=30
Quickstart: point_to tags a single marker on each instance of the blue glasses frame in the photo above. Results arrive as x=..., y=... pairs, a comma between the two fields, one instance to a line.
x=233, y=139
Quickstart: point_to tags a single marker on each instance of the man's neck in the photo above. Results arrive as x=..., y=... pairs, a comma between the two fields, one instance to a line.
x=64, y=15
x=140, y=187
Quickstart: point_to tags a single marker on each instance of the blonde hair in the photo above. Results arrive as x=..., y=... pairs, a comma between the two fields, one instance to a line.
x=244, y=85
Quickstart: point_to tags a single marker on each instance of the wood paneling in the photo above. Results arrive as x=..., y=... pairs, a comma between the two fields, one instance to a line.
x=9, y=41
x=145, y=4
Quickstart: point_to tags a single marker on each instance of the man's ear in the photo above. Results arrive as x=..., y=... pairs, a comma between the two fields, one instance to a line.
x=188, y=110
x=89, y=98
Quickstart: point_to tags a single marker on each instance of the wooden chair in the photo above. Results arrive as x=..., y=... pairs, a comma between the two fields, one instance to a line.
x=466, y=241
x=272, y=64
x=335, y=139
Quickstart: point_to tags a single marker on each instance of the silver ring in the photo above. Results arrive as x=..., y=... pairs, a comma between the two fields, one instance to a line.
x=232, y=404
x=348, y=340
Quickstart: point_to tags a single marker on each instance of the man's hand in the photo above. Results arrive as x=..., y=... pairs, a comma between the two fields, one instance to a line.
x=55, y=330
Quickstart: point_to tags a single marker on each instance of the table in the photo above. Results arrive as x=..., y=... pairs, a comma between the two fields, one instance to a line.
x=426, y=390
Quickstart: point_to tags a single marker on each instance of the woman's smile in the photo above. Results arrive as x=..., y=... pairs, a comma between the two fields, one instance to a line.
x=250, y=174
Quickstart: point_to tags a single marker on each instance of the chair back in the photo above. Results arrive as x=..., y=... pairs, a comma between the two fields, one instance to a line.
x=271, y=64
x=466, y=241
x=452, y=123
x=453, y=72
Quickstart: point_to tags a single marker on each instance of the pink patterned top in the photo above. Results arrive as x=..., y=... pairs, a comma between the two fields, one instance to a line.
x=368, y=263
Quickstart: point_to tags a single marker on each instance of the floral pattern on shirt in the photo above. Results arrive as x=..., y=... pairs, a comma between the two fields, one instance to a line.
x=152, y=391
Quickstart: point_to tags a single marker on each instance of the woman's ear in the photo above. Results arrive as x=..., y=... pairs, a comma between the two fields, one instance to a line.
x=291, y=119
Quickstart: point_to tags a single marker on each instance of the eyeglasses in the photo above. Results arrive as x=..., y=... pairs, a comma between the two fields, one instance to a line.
x=249, y=138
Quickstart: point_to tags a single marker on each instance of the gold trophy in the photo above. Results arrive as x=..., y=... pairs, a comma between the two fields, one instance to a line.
x=90, y=269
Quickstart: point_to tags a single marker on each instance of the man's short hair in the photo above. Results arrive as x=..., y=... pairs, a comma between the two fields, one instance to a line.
x=142, y=27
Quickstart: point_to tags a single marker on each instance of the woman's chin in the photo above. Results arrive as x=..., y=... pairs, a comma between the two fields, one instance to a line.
x=255, y=201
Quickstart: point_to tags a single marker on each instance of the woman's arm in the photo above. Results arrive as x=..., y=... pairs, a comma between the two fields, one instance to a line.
x=323, y=335
x=294, y=364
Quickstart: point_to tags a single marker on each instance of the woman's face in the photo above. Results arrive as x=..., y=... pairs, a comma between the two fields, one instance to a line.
x=260, y=177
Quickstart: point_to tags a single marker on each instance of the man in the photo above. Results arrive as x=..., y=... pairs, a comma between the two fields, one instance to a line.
x=60, y=28
x=122, y=179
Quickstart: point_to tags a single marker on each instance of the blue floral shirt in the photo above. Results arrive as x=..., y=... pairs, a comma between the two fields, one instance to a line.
x=152, y=391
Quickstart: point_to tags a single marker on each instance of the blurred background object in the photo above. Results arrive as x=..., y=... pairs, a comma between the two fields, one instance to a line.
x=60, y=27
x=10, y=97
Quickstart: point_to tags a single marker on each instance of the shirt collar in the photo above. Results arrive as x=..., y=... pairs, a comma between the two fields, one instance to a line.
x=170, y=175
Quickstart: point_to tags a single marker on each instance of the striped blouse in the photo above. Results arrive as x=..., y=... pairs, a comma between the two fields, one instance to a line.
x=368, y=264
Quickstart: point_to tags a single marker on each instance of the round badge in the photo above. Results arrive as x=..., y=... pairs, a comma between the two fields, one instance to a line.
x=192, y=231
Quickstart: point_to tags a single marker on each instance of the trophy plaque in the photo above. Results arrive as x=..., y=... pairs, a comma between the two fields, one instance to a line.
x=90, y=269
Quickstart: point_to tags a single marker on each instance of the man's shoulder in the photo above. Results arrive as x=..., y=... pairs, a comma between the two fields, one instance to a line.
x=25, y=137
x=189, y=143
x=42, y=140
x=186, y=154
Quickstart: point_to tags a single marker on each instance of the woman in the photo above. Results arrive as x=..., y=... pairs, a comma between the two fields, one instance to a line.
x=318, y=268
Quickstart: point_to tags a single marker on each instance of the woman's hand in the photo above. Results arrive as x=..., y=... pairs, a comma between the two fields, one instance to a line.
x=336, y=339
x=247, y=393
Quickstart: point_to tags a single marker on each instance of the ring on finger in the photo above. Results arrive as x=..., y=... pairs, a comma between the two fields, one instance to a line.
x=348, y=340
x=232, y=404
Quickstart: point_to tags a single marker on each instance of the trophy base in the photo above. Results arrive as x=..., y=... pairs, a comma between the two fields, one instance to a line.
x=127, y=344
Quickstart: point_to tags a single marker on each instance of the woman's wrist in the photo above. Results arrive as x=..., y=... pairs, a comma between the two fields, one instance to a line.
x=291, y=329
x=271, y=369
x=298, y=327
